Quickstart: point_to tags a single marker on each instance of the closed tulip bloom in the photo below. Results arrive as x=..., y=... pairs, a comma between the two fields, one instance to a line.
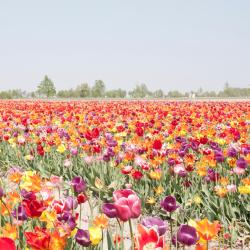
x=78, y=184
x=241, y=163
x=82, y=237
x=169, y=204
x=95, y=234
x=127, y=203
x=109, y=209
x=70, y=203
x=20, y=213
x=1, y=193
x=187, y=235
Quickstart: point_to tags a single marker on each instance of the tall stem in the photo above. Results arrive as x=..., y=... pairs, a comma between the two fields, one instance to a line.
x=171, y=229
x=131, y=234
x=80, y=216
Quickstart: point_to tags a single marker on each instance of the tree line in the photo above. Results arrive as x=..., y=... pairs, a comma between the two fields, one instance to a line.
x=47, y=89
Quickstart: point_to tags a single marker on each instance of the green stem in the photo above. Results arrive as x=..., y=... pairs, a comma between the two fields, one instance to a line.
x=80, y=215
x=131, y=234
x=171, y=230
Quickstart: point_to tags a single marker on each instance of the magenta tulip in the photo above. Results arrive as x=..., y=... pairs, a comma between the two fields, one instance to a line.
x=169, y=204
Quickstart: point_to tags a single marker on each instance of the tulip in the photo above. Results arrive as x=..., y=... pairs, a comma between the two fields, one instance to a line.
x=82, y=237
x=207, y=230
x=149, y=239
x=157, y=144
x=160, y=225
x=169, y=204
x=241, y=163
x=232, y=152
x=1, y=193
x=95, y=234
x=109, y=209
x=20, y=213
x=187, y=235
x=70, y=203
x=82, y=198
x=38, y=239
x=7, y=244
x=33, y=208
x=28, y=195
x=78, y=184
x=180, y=170
x=127, y=203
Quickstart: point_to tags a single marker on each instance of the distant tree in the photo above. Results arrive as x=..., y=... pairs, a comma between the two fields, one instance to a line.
x=98, y=90
x=140, y=91
x=33, y=94
x=175, y=94
x=46, y=88
x=122, y=93
x=199, y=92
x=83, y=90
x=158, y=93
x=116, y=93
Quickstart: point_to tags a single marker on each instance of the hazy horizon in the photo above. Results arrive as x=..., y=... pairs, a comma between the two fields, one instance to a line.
x=180, y=45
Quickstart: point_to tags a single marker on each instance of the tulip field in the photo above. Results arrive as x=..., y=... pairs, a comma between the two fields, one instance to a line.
x=130, y=174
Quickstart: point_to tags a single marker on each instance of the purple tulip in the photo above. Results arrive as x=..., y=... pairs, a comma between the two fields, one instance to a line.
x=28, y=195
x=187, y=235
x=1, y=193
x=212, y=175
x=82, y=237
x=109, y=209
x=71, y=223
x=194, y=145
x=214, y=145
x=70, y=203
x=20, y=213
x=78, y=184
x=171, y=161
x=231, y=152
x=150, y=222
x=241, y=163
x=219, y=156
x=169, y=204
x=68, y=218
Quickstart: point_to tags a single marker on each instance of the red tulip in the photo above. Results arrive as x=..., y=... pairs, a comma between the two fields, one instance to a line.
x=7, y=243
x=39, y=239
x=33, y=207
x=157, y=144
x=127, y=203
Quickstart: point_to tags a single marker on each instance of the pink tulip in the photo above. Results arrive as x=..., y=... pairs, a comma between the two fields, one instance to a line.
x=127, y=203
x=231, y=188
x=238, y=170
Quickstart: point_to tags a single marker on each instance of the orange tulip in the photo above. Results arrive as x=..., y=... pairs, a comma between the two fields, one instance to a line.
x=207, y=230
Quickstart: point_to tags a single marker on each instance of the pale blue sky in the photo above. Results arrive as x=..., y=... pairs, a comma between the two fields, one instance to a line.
x=165, y=44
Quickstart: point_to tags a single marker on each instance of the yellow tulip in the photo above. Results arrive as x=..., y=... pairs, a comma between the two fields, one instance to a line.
x=95, y=235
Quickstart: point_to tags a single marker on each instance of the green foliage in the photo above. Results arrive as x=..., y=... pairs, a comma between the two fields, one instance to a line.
x=116, y=93
x=46, y=88
x=12, y=94
x=140, y=91
x=83, y=90
x=98, y=89
x=175, y=94
x=158, y=94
